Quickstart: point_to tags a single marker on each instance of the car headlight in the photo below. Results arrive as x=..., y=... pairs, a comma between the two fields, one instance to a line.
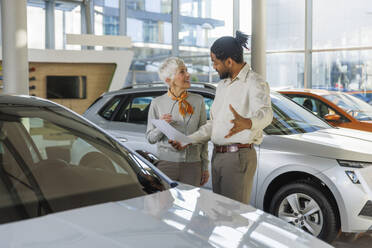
x=353, y=164
x=353, y=177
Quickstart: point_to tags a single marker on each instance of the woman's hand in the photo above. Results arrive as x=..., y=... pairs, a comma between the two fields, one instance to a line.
x=177, y=145
x=166, y=117
x=204, y=178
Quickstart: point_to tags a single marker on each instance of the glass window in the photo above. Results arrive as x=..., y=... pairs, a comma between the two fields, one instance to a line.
x=59, y=16
x=358, y=109
x=342, y=70
x=245, y=22
x=363, y=95
x=136, y=110
x=106, y=17
x=201, y=69
x=289, y=118
x=110, y=108
x=54, y=161
x=36, y=27
x=316, y=106
x=285, y=70
x=67, y=21
x=150, y=28
x=203, y=21
x=308, y=103
x=285, y=24
x=149, y=21
x=342, y=23
x=208, y=104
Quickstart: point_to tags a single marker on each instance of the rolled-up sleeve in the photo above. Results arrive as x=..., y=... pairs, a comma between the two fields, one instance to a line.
x=261, y=110
x=153, y=134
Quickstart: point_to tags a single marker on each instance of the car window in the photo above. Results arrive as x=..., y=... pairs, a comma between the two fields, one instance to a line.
x=110, y=108
x=136, y=109
x=289, y=118
x=208, y=104
x=51, y=160
x=355, y=107
x=316, y=106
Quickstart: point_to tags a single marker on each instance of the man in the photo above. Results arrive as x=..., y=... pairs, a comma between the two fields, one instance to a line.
x=240, y=111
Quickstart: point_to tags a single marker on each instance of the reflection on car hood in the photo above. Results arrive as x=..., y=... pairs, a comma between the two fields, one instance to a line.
x=181, y=217
x=335, y=143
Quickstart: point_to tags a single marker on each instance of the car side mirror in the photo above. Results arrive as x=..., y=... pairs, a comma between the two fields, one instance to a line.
x=332, y=117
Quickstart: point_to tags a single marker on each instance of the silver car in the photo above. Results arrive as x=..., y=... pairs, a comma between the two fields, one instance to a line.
x=111, y=197
x=309, y=173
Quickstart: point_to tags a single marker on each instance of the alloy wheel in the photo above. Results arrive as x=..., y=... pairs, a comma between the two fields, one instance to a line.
x=302, y=211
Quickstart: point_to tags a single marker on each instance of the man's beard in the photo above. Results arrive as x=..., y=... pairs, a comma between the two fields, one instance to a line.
x=224, y=75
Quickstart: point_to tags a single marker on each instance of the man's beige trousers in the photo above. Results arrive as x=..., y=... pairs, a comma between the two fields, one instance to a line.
x=233, y=172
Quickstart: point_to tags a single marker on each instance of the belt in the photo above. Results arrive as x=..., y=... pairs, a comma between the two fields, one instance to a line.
x=231, y=148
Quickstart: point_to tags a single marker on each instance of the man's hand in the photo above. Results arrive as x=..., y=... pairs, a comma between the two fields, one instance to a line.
x=204, y=178
x=177, y=145
x=166, y=117
x=240, y=123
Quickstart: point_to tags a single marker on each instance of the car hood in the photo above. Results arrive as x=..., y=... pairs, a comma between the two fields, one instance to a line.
x=180, y=217
x=335, y=143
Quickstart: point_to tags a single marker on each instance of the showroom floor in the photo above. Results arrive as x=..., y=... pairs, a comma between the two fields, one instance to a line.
x=346, y=240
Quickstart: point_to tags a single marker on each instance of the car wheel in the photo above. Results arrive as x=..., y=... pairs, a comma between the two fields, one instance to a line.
x=304, y=205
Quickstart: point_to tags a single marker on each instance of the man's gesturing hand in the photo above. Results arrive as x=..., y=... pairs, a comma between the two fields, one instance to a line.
x=240, y=123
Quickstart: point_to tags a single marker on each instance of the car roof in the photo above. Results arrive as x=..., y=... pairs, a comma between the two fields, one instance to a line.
x=151, y=87
x=319, y=92
x=22, y=100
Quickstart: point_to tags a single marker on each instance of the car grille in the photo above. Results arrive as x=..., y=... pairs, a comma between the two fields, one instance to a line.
x=367, y=209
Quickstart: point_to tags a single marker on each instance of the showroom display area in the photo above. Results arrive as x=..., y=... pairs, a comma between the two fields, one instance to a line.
x=103, y=70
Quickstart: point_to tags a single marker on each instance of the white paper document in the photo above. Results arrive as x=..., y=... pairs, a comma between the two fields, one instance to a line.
x=171, y=132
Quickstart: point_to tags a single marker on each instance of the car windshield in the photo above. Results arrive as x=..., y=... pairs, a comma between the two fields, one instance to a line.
x=51, y=160
x=357, y=108
x=290, y=118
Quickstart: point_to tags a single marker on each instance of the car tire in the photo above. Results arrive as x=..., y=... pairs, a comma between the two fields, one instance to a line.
x=307, y=197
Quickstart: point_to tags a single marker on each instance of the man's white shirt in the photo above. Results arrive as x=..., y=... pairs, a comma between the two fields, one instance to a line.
x=249, y=95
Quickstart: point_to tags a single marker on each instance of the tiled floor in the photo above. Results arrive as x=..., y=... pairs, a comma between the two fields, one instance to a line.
x=346, y=240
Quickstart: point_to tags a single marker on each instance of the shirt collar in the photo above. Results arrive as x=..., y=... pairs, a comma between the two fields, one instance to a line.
x=241, y=75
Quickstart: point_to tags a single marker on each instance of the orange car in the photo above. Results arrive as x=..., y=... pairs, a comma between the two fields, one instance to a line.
x=337, y=108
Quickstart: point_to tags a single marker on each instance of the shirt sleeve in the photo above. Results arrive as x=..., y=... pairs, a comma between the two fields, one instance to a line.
x=153, y=134
x=262, y=113
x=204, y=132
x=204, y=148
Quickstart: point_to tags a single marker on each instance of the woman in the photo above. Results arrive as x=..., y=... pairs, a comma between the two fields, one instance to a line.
x=185, y=111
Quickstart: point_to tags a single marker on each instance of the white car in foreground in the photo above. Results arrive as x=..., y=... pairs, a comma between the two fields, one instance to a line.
x=309, y=173
x=111, y=197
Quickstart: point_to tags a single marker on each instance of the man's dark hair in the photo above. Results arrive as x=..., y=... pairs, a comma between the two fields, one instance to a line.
x=230, y=47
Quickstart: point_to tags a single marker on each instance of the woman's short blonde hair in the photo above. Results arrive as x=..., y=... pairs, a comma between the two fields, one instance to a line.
x=169, y=68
